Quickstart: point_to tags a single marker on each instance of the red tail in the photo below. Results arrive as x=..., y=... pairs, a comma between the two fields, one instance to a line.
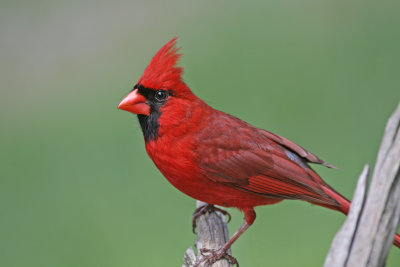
x=397, y=241
x=345, y=207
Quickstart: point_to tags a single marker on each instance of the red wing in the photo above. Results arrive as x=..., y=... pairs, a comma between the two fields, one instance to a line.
x=295, y=148
x=240, y=155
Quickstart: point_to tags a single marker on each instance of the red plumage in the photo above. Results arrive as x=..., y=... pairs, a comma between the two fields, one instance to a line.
x=163, y=72
x=215, y=157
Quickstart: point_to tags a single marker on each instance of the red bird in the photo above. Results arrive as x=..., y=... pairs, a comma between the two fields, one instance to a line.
x=217, y=158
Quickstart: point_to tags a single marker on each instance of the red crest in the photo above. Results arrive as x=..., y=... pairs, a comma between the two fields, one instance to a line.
x=163, y=72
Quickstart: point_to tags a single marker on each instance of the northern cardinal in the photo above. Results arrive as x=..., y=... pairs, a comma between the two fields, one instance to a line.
x=215, y=157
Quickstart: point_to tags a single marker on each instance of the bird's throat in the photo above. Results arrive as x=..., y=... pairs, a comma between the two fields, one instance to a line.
x=150, y=125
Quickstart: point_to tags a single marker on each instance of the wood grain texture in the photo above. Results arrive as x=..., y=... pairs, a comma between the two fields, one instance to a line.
x=368, y=233
x=212, y=233
x=341, y=245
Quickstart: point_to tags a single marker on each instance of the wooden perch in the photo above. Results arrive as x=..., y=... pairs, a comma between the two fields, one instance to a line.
x=212, y=233
x=368, y=232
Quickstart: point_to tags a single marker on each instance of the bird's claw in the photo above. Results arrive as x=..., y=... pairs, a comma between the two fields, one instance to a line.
x=204, y=209
x=213, y=256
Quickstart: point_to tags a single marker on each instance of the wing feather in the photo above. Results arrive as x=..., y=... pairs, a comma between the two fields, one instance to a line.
x=258, y=161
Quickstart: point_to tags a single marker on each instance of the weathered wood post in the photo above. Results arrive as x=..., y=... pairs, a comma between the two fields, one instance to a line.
x=368, y=232
x=212, y=233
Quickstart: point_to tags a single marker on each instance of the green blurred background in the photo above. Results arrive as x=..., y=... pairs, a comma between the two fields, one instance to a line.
x=76, y=185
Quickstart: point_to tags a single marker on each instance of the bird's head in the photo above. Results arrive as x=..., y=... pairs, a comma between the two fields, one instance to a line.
x=159, y=89
x=160, y=82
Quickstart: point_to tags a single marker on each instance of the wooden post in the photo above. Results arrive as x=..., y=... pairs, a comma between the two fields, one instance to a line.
x=212, y=233
x=368, y=232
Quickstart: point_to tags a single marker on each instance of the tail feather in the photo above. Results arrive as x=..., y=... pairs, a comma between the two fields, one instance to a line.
x=397, y=241
x=344, y=207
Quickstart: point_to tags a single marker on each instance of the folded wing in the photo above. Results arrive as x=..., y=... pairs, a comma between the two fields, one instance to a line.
x=240, y=155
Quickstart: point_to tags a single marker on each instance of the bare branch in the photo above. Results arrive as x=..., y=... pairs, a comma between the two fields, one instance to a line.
x=212, y=233
x=374, y=231
x=342, y=242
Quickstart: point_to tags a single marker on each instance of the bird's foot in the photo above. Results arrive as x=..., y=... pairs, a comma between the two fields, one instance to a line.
x=211, y=256
x=204, y=209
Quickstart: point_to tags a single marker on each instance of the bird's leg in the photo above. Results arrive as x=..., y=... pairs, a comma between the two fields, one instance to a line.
x=215, y=255
x=206, y=208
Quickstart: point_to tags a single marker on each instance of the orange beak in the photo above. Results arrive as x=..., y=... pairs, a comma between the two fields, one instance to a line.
x=135, y=103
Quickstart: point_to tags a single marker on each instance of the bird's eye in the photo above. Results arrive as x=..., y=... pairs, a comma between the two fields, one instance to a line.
x=161, y=95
